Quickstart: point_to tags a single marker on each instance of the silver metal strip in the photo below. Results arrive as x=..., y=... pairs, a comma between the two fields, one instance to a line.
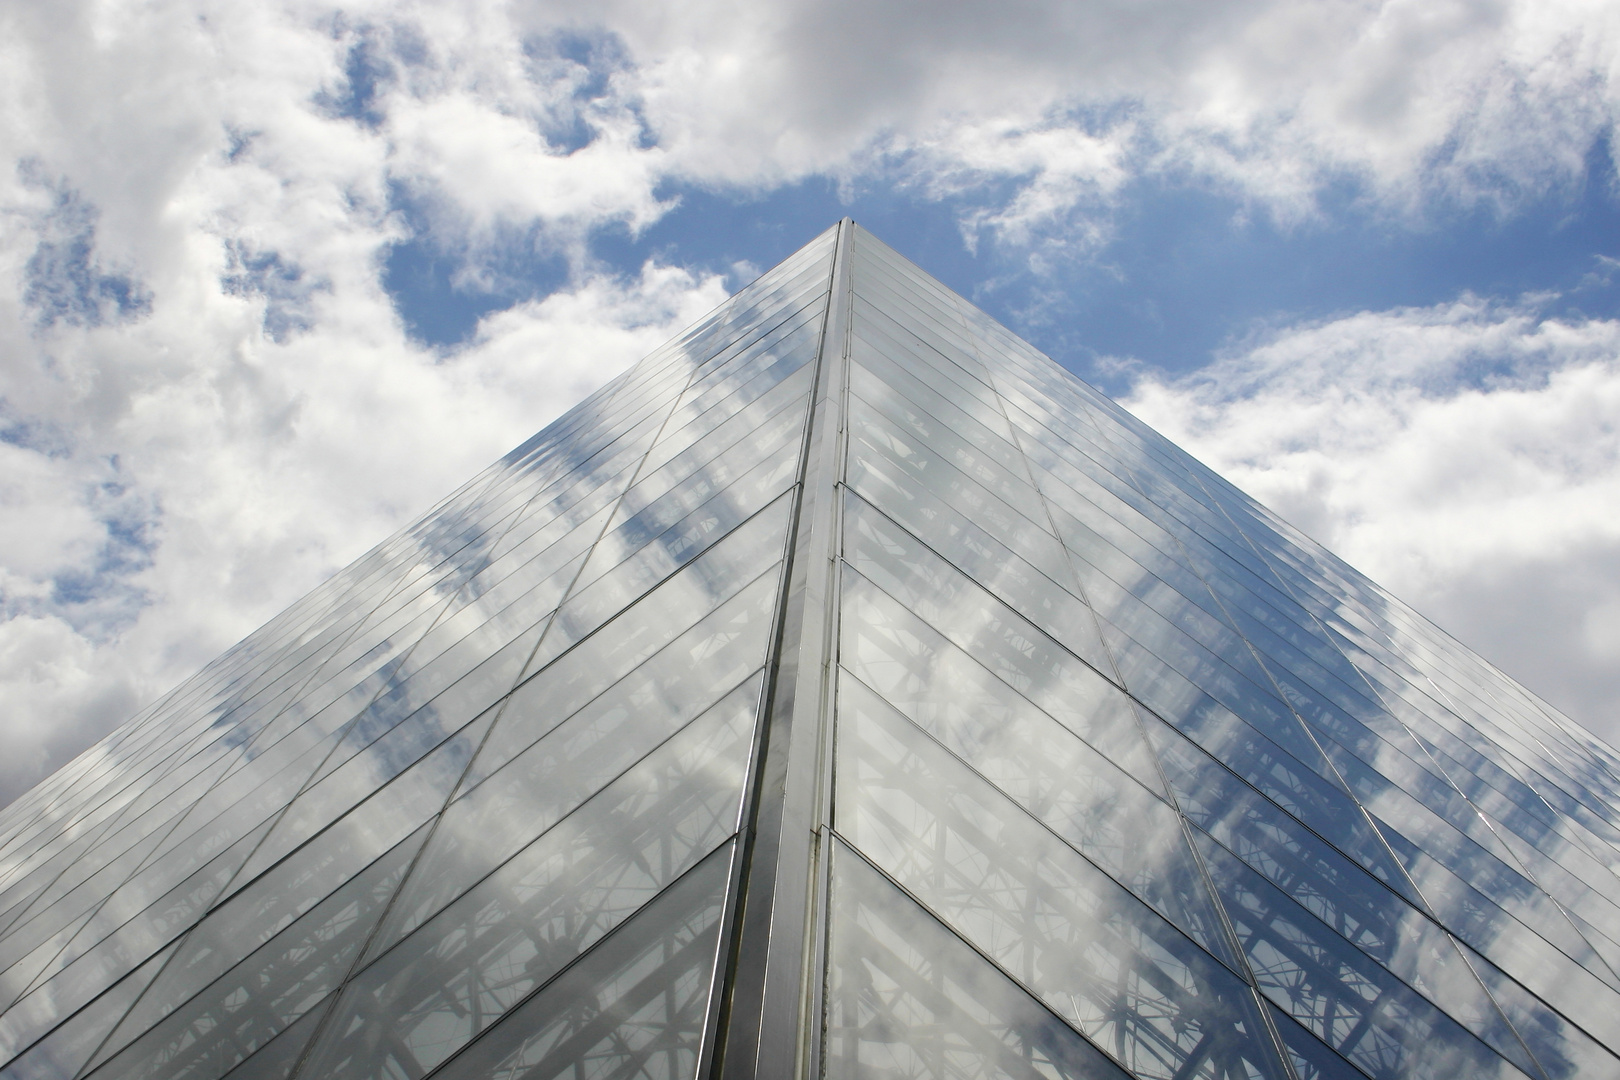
x=764, y=1026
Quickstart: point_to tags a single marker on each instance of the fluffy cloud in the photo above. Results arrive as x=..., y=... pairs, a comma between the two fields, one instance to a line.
x=208, y=399
x=1464, y=455
x=1271, y=99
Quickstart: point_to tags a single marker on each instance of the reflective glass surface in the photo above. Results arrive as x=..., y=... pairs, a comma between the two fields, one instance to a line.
x=844, y=690
x=635, y=1006
x=1118, y=972
x=448, y=981
x=906, y=997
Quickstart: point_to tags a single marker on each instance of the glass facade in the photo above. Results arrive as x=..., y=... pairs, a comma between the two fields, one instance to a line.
x=847, y=691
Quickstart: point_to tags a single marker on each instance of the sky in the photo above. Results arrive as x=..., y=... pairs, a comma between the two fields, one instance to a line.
x=274, y=276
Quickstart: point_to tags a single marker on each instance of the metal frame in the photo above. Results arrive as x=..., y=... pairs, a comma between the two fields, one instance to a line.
x=763, y=1026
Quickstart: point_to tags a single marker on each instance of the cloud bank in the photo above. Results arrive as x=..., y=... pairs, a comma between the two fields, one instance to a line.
x=212, y=393
x=1466, y=456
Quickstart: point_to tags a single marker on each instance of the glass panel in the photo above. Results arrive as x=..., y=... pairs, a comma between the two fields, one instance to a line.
x=643, y=551
x=121, y=951
x=315, y=714
x=751, y=349
x=1156, y=498
x=907, y=998
x=1073, y=460
x=29, y=889
x=1079, y=698
x=1075, y=792
x=1362, y=910
x=717, y=460
x=72, y=847
x=735, y=402
x=725, y=644
x=1050, y=605
x=481, y=956
x=415, y=795
x=111, y=862
x=1150, y=597
x=983, y=463
x=1427, y=832
x=888, y=309
x=636, y=1006
x=478, y=619
x=245, y=800
x=21, y=975
x=1184, y=683
x=379, y=745
x=874, y=376
x=1311, y=1057
x=1199, y=782
x=238, y=803
x=1349, y=1002
x=887, y=486
x=1609, y=948
x=450, y=651
x=276, y=1059
x=884, y=304
x=1094, y=953
x=677, y=602
x=263, y=910
x=64, y=1052
x=1514, y=947
x=1562, y=1050
x=260, y=997
x=552, y=531
x=872, y=433
x=176, y=781
x=531, y=581
x=545, y=784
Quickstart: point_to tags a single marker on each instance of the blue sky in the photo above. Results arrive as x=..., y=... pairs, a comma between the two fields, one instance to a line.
x=274, y=277
x=1186, y=272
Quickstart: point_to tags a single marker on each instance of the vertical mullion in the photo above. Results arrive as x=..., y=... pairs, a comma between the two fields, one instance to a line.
x=763, y=1029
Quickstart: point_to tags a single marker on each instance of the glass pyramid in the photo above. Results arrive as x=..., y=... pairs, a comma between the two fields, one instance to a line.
x=844, y=691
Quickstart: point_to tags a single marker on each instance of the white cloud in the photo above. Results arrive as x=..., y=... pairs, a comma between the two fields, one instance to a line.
x=1068, y=177
x=207, y=400
x=1465, y=456
x=61, y=692
x=1413, y=99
